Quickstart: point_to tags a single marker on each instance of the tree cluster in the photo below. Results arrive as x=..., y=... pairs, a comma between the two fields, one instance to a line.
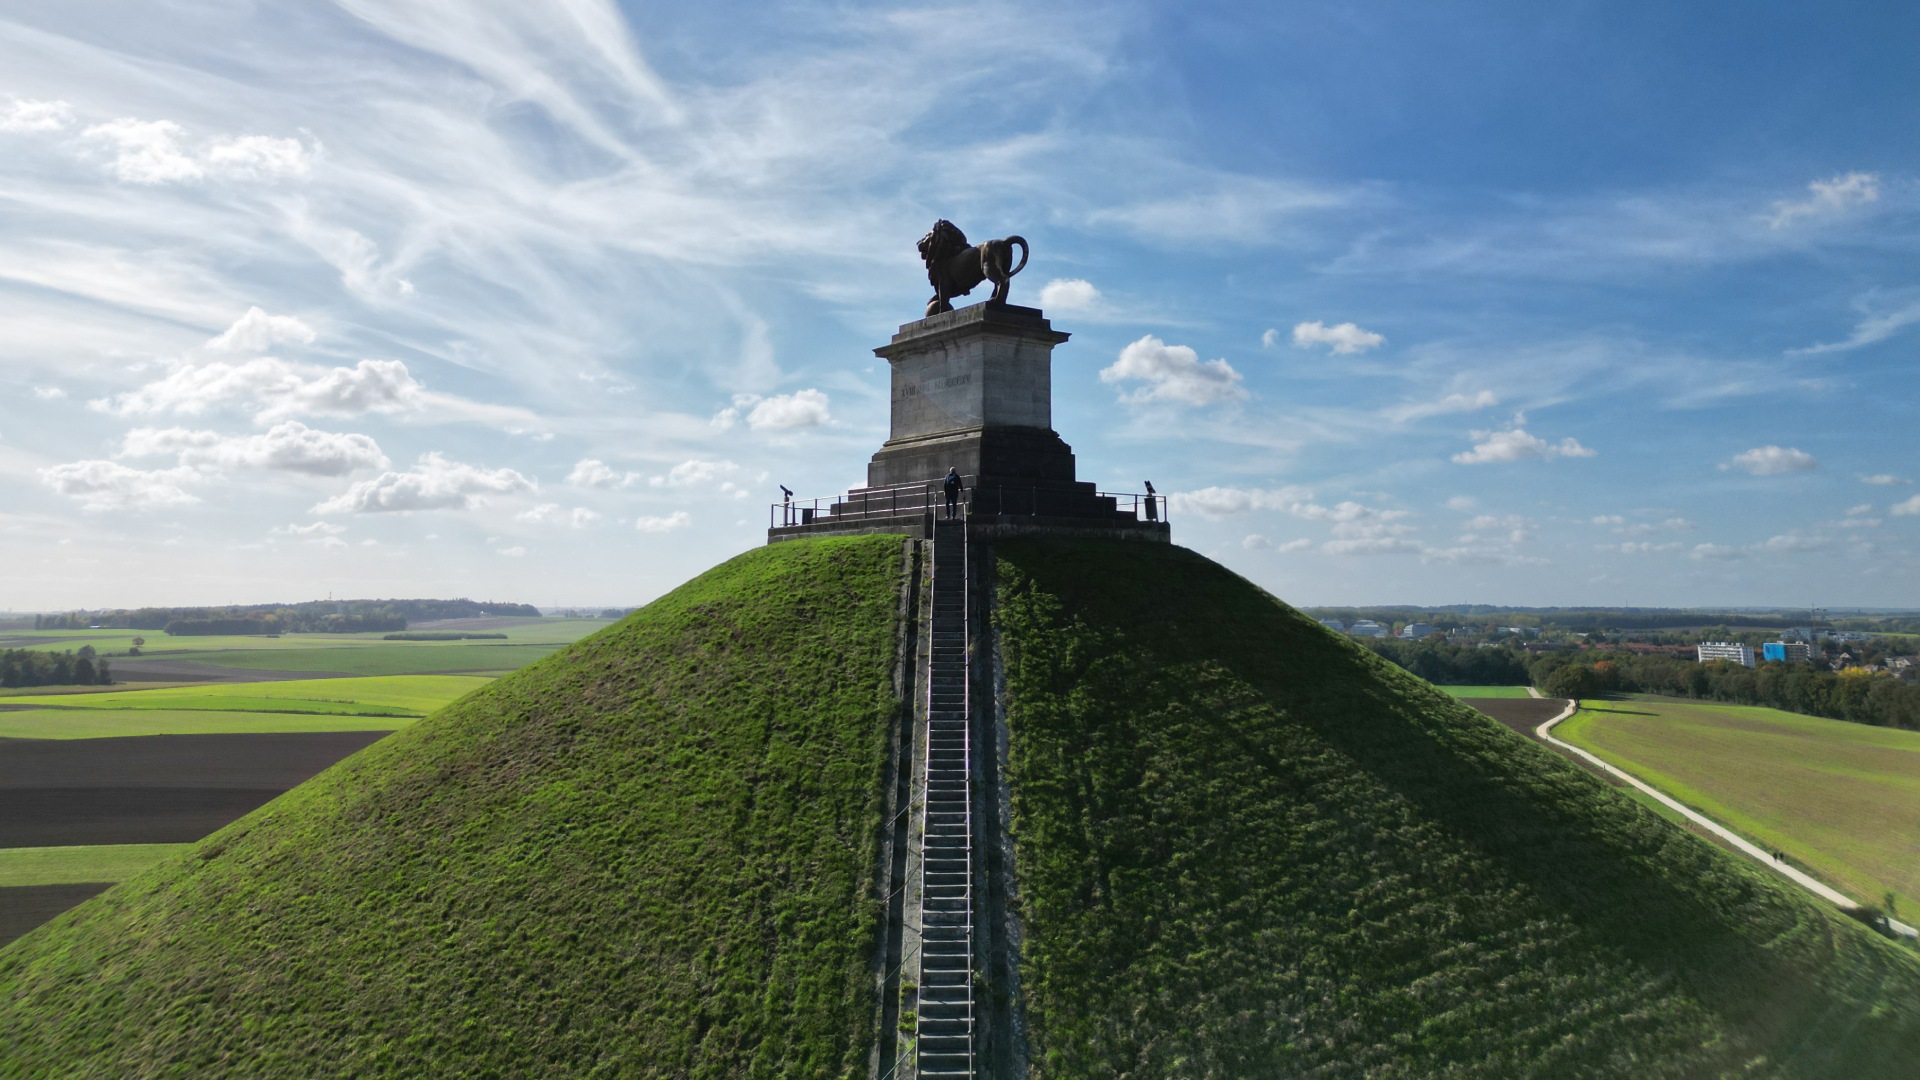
x=1455, y=665
x=1802, y=688
x=310, y=617
x=30, y=667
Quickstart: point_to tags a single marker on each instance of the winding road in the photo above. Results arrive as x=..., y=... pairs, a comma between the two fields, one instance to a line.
x=1765, y=857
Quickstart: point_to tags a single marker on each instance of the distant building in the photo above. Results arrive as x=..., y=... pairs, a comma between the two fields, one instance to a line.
x=1786, y=651
x=1798, y=633
x=1521, y=631
x=1367, y=628
x=1333, y=624
x=1726, y=650
x=1417, y=630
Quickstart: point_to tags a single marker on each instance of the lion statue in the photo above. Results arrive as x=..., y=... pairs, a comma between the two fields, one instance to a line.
x=954, y=266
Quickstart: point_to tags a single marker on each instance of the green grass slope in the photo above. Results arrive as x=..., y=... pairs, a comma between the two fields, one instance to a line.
x=651, y=854
x=1246, y=847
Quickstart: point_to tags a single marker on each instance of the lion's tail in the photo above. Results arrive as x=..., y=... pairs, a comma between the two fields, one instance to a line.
x=1022, y=241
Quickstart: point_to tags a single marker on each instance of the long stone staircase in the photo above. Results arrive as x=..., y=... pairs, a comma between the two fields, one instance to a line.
x=946, y=1021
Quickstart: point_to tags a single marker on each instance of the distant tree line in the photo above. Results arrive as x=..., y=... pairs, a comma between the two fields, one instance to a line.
x=311, y=617
x=31, y=667
x=1599, y=620
x=1454, y=665
x=1860, y=697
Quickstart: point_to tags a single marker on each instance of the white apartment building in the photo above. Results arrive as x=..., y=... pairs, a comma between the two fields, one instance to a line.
x=1726, y=650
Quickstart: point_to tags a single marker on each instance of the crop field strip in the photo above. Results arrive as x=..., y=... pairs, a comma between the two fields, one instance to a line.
x=1837, y=798
x=1484, y=692
x=85, y=819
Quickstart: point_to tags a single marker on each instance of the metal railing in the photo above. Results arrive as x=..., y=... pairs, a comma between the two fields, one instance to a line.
x=1002, y=500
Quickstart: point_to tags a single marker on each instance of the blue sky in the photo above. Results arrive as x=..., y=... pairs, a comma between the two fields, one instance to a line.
x=1514, y=303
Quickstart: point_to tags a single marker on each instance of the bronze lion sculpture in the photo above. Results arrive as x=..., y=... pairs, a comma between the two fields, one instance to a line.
x=954, y=266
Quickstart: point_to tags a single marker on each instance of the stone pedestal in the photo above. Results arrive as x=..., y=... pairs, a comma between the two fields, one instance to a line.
x=973, y=391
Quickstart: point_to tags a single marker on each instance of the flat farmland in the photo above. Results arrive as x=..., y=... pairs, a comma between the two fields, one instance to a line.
x=381, y=658
x=392, y=695
x=1486, y=691
x=1841, y=799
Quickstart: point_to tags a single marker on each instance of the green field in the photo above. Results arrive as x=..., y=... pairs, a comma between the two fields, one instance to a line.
x=76, y=865
x=391, y=695
x=1485, y=691
x=1841, y=799
x=115, y=643
x=114, y=723
x=383, y=658
x=650, y=855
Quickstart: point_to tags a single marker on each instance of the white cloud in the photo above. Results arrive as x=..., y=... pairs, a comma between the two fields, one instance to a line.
x=1643, y=547
x=313, y=528
x=1518, y=530
x=147, y=152
x=434, y=483
x=1863, y=508
x=1648, y=528
x=49, y=393
x=1868, y=331
x=258, y=157
x=1290, y=546
x=697, y=473
x=1452, y=403
x=1345, y=338
x=1462, y=503
x=1069, y=294
x=1716, y=552
x=679, y=519
x=109, y=485
x=1906, y=509
x=1218, y=502
x=1885, y=479
x=152, y=152
x=511, y=552
x=272, y=389
x=1256, y=542
x=1608, y=519
x=288, y=447
x=594, y=473
x=550, y=513
x=1516, y=444
x=1828, y=197
x=27, y=114
x=1793, y=544
x=1173, y=373
x=1772, y=461
x=1373, y=545
x=257, y=331
x=800, y=409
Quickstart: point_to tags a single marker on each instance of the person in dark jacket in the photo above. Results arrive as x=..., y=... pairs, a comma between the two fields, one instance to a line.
x=952, y=485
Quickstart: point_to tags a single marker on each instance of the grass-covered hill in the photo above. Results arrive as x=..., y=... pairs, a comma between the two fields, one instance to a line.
x=1249, y=848
x=651, y=854
x=1245, y=847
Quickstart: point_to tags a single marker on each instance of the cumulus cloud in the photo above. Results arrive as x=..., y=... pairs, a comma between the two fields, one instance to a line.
x=1069, y=294
x=287, y=447
x=272, y=389
x=1647, y=528
x=1793, y=543
x=1173, y=373
x=1908, y=508
x=1885, y=479
x=109, y=485
x=1643, y=547
x=258, y=157
x=1345, y=338
x=1452, y=403
x=679, y=519
x=1219, y=502
x=1301, y=544
x=511, y=552
x=49, y=393
x=1516, y=528
x=1716, y=552
x=154, y=152
x=551, y=514
x=697, y=473
x=1373, y=545
x=781, y=412
x=27, y=114
x=1827, y=197
x=1516, y=444
x=594, y=473
x=1462, y=503
x=257, y=331
x=1608, y=519
x=1772, y=461
x=314, y=528
x=434, y=483
x=1256, y=542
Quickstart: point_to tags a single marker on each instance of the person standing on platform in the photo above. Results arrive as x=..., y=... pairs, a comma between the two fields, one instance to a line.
x=953, y=491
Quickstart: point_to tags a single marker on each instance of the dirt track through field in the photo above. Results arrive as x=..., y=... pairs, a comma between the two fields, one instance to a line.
x=153, y=789
x=24, y=907
x=1523, y=715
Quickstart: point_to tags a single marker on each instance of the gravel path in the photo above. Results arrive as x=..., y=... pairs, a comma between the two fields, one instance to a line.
x=1765, y=857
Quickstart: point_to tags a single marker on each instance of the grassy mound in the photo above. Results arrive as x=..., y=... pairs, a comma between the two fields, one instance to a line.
x=1247, y=847
x=648, y=855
